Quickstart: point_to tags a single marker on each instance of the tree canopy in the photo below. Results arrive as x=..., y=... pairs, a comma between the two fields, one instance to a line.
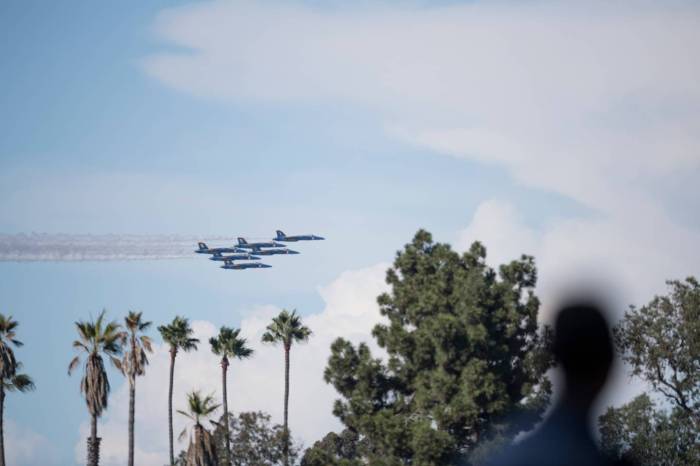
x=178, y=334
x=255, y=441
x=661, y=343
x=286, y=328
x=465, y=361
x=641, y=433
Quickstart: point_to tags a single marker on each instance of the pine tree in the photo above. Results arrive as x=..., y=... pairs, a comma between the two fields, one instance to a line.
x=466, y=360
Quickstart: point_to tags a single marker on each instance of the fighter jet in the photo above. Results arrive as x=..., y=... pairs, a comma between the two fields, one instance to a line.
x=242, y=243
x=282, y=237
x=245, y=265
x=204, y=249
x=273, y=252
x=234, y=257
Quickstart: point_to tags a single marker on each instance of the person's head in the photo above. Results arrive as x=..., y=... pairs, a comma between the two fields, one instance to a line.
x=584, y=349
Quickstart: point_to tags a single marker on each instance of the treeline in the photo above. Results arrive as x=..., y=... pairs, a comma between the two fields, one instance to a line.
x=466, y=367
x=464, y=371
x=127, y=346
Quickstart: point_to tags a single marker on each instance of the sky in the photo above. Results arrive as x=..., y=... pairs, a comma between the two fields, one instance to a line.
x=569, y=131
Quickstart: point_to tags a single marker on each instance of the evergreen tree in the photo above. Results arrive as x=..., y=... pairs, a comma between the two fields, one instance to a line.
x=336, y=449
x=466, y=360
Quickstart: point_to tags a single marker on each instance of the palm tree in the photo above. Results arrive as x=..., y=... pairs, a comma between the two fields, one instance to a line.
x=10, y=380
x=8, y=364
x=228, y=345
x=179, y=336
x=96, y=338
x=134, y=364
x=202, y=451
x=286, y=328
x=17, y=383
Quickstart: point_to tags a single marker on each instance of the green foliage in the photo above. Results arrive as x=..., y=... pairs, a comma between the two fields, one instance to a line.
x=198, y=407
x=228, y=344
x=178, y=334
x=255, y=441
x=96, y=338
x=466, y=360
x=641, y=434
x=8, y=338
x=337, y=449
x=134, y=361
x=19, y=382
x=661, y=344
x=286, y=328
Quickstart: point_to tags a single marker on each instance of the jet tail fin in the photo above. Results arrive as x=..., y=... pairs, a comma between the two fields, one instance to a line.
x=202, y=246
x=242, y=240
x=280, y=234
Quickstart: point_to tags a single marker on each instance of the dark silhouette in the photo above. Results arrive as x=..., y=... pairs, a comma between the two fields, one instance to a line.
x=583, y=348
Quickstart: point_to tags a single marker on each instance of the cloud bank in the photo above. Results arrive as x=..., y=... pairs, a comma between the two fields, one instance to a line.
x=598, y=102
x=25, y=447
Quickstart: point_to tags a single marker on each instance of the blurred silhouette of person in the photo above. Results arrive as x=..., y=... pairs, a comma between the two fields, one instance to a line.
x=584, y=350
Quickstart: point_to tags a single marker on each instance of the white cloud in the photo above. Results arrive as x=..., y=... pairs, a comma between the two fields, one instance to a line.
x=613, y=259
x=254, y=384
x=588, y=100
x=595, y=101
x=497, y=224
x=631, y=257
x=24, y=447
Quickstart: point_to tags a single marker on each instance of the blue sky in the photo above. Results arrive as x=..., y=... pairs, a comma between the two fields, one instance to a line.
x=238, y=118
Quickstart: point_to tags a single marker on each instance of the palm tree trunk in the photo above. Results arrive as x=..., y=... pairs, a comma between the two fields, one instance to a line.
x=224, y=367
x=286, y=406
x=173, y=353
x=93, y=458
x=2, y=423
x=132, y=402
x=132, y=398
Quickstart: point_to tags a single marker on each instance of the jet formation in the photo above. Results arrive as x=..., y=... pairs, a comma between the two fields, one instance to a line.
x=251, y=251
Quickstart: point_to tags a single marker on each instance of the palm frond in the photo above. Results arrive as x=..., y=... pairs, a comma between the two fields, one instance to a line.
x=74, y=362
x=178, y=334
x=286, y=328
x=19, y=383
x=14, y=341
x=134, y=360
x=184, y=413
x=96, y=338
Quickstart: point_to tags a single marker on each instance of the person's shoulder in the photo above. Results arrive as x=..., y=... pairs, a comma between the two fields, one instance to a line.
x=622, y=462
x=527, y=452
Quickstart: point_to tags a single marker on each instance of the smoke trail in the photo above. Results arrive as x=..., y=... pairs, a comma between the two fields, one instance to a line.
x=64, y=247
